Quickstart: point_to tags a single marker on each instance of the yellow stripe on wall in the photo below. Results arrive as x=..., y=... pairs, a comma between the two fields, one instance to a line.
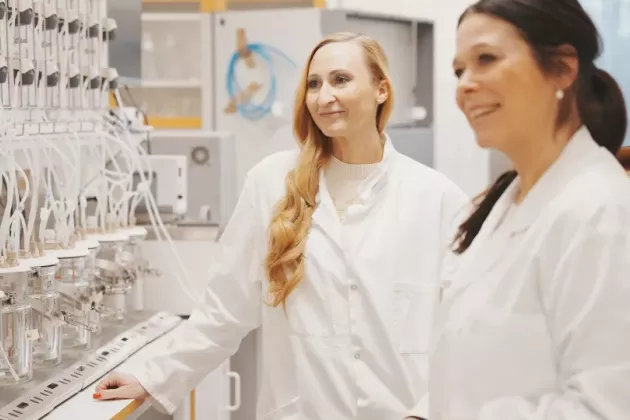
x=170, y=1
x=209, y=6
x=175, y=122
x=273, y=3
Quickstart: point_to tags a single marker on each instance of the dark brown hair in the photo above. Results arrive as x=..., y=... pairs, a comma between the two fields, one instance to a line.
x=549, y=26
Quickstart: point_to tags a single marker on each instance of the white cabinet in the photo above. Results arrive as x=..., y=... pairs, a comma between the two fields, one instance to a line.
x=176, y=87
x=214, y=399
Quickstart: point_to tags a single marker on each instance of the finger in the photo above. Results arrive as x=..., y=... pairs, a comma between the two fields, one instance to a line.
x=111, y=394
x=102, y=386
x=108, y=382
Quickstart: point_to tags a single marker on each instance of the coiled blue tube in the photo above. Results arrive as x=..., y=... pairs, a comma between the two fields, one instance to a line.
x=249, y=110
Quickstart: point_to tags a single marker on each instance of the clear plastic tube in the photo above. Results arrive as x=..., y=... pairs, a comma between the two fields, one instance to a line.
x=33, y=163
x=67, y=186
x=13, y=192
x=4, y=225
x=140, y=163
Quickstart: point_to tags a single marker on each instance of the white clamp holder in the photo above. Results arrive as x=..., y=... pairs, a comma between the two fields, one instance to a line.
x=109, y=26
x=74, y=76
x=93, y=28
x=51, y=19
x=50, y=70
x=92, y=77
x=4, y=70
x=48, y=10
x=71, y=20
x=25, y=67
x=25, y=13
x=109, y=78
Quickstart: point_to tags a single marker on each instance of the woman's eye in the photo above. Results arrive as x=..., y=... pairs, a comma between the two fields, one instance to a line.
x=312, y=84
x=341, y=79
x=486, y=58
x=483, y=60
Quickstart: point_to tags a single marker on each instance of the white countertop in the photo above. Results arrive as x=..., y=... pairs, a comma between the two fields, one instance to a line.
x=85, y=405
x=88, y=407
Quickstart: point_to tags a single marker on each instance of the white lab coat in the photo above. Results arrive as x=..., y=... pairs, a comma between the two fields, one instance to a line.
x=353, y=342
x=536, y=323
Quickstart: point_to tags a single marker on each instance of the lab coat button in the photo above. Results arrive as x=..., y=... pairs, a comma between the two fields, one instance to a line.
x=357, y=356
x=353, y=287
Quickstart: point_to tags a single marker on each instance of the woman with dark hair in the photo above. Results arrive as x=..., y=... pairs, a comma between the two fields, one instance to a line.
x=536, y=322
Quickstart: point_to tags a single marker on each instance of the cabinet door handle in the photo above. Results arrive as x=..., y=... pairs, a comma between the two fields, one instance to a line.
x=236, y=378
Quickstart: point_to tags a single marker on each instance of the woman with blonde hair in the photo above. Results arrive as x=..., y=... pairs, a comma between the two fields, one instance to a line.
x=335, y=251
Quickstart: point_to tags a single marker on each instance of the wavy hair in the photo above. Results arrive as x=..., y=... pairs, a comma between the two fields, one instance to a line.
x=292, y=217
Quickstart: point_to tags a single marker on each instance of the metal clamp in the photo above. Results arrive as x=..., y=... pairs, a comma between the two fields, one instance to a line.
x=107, y=311
x=72, y=319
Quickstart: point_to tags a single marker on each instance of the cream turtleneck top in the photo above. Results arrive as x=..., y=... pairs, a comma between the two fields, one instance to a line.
x=343, y=181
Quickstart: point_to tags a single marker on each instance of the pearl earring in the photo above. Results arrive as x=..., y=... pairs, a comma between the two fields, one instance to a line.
x=559, y=94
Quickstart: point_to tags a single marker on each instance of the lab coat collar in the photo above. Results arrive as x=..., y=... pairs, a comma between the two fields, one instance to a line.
x=325, y=214
x=581, y=150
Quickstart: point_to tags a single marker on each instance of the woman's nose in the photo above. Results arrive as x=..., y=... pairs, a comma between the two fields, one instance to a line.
x=326, y=95
x=467, y=83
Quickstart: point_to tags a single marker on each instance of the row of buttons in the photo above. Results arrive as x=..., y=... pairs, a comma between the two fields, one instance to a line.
x=357, y=356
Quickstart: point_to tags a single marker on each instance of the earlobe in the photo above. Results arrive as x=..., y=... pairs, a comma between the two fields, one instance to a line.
x=570, y=66
x=382, y=93
x=382, y=97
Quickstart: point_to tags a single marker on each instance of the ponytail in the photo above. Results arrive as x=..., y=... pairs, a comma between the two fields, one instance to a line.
x=603, y=109
x=470, y=228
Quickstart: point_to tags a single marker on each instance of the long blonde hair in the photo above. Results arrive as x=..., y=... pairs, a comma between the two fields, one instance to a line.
x=293, y=214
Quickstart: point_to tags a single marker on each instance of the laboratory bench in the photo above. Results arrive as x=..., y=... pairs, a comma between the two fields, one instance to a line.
x=65, y=391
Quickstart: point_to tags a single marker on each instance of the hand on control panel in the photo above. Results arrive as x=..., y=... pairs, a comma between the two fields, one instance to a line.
x=119, y=386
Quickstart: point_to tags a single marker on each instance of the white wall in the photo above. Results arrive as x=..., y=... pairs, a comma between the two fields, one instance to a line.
x=456, y=153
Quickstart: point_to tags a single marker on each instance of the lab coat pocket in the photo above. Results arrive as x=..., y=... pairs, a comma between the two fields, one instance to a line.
x=413, y=309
